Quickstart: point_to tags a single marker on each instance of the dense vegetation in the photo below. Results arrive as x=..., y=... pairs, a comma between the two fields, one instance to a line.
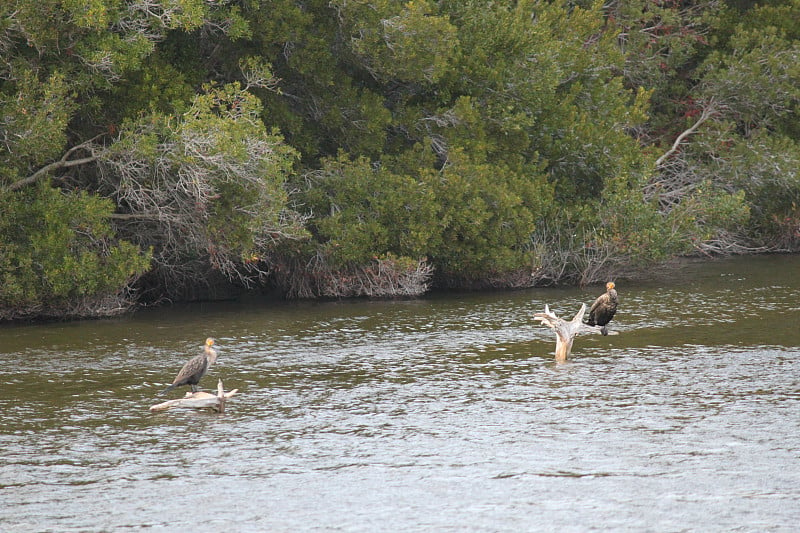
x=174, y=149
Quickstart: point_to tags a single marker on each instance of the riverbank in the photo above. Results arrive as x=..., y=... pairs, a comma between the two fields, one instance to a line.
x=124, y=305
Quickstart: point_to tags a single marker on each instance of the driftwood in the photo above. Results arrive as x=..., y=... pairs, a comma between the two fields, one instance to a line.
x=199, y=400
x=566, y=331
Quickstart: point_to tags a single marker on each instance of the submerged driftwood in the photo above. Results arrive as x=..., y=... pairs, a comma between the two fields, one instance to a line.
x=199, y=400
x=566, y=331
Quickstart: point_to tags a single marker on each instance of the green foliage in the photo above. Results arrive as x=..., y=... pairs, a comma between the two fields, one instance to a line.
x=364, y=211
x=158, y=87
x=763, y=169
x=474, y=219
x=489, y=137
x=544, y=81
x=486, y=215
x=204, y=190
x=59, y=248
x=758, y=81
x=400, y=41
x=662, y=41
x=751, y=147
x=33, y=125
x=637, y=229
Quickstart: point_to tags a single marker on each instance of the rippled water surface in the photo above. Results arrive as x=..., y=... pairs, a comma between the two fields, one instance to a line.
x=441, y=414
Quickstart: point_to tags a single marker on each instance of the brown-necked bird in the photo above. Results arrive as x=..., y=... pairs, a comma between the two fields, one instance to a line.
x=604, y=308
x=195, y=368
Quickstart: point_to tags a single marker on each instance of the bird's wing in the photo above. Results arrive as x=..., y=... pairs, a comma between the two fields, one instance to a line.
x=191, y=367
x=603, y=298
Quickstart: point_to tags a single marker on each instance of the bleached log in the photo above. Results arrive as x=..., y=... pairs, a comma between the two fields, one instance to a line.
x=199, y=400
x=565, y=331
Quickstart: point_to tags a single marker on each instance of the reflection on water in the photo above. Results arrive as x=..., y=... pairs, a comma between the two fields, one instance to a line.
x=446, y=413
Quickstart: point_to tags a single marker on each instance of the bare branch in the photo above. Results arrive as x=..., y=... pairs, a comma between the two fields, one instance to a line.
x=565, y=331
x=708, y=111
x=64, y=162
x=381, y=278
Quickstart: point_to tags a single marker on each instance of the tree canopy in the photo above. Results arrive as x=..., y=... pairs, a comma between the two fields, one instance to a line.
x=179, y=148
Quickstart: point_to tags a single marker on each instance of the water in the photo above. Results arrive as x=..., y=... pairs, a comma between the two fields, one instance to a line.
x=441, y=414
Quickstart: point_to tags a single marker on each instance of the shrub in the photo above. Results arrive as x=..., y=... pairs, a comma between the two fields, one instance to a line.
x=59, y=257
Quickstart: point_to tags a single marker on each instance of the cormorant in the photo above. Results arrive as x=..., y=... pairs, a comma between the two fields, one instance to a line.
x=603, y=309
x=195, y=368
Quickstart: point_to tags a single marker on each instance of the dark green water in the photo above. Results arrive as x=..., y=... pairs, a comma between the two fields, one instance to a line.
x=441, y=414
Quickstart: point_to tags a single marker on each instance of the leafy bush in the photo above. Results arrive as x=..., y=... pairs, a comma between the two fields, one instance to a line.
x=364, y=210
x=59, y=256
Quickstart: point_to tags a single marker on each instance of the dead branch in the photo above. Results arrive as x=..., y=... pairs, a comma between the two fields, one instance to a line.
x=64, y=162
x=199, y=400
x=708, y=111
x=565, y=331
x=380, y=278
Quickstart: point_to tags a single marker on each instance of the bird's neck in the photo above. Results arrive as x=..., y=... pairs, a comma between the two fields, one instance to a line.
x=211, y=355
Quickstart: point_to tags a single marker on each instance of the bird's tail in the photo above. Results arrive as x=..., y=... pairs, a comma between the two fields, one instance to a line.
x=167, y=390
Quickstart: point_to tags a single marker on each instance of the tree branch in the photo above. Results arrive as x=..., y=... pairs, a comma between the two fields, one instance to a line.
x=64, y=162
x=707, y=113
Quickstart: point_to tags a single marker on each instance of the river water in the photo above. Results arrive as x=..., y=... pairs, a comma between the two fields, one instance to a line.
x=446, y=413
